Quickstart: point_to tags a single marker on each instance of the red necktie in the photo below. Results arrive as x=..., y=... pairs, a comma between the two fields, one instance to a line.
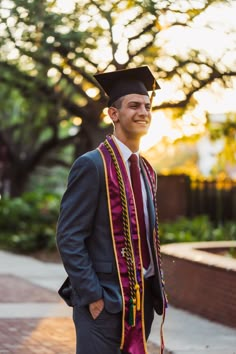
x=137, y=189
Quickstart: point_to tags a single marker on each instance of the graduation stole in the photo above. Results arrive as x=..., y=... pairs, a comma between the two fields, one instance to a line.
x=127, y=244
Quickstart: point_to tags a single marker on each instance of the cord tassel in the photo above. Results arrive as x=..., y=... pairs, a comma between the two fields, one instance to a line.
x=137, y=288
x=132, y=312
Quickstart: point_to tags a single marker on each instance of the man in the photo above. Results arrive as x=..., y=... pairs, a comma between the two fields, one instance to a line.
x=107, y=231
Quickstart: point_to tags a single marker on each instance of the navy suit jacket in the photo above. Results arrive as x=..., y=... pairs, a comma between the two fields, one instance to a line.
x=84, y=239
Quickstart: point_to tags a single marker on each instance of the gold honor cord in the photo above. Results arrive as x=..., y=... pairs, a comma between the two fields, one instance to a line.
x=134, y=302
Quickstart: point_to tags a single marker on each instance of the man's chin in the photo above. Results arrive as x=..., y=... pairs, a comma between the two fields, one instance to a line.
x=139, y=133
x=143, y=132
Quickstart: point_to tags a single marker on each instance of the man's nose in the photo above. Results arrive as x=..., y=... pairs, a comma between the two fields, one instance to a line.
x=143, y=110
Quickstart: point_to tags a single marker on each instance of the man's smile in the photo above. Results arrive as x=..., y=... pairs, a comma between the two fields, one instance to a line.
x=142, y=122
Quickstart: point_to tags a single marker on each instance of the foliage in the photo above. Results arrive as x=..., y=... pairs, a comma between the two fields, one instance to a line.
x=49, y=180
x=232, y=252
x=196, y=230
x=48, y=55
x=29, y=223
x=226, y=132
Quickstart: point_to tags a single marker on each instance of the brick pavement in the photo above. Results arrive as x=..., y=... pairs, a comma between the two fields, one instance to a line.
x=33, y=319
x=17, y=290
x=44, y=335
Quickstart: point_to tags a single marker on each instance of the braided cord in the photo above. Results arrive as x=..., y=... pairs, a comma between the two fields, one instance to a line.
x=125, y=220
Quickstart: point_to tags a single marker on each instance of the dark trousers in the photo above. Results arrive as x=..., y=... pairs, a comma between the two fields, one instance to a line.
x=103, y=335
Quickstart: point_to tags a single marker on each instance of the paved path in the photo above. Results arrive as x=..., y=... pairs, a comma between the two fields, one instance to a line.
x=33, y=319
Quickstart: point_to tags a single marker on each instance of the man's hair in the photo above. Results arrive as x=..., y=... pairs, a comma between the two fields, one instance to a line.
x=118, y=103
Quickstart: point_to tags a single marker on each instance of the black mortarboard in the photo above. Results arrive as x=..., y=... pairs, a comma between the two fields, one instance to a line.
x=124, y=82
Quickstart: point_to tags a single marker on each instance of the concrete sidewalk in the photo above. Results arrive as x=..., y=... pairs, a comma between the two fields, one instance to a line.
x=33, y=319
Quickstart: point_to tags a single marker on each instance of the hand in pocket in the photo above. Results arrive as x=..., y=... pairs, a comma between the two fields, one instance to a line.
x=95, y=308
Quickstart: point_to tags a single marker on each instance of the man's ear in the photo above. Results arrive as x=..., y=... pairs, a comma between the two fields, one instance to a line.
x=113, y=114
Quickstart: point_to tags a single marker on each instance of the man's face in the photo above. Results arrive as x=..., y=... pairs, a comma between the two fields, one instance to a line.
x=133, y=119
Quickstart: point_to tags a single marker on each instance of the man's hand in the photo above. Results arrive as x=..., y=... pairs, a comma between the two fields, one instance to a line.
x=96, y=308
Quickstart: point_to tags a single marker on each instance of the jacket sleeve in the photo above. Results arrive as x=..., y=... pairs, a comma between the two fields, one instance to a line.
x=75, y=225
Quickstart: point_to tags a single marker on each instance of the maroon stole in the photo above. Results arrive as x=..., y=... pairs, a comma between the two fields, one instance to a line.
x=127, y=245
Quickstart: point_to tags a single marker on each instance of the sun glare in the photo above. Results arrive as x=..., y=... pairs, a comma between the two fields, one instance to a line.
x=65, y=6
x=218, y=100
x=160, y=126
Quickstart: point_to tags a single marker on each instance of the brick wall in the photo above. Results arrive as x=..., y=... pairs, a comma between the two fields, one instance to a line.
x=178, y=196
x=198, y=282
x=172, y=196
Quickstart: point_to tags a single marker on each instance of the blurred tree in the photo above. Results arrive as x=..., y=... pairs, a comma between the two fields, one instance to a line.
x=49, y=53
x=226, y=132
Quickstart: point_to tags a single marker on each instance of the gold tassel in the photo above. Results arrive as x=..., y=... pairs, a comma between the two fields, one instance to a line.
x=153, y=92
x=137, y=288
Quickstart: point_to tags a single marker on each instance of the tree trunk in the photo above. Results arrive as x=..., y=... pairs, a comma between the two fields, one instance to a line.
x=17, y=173
x=90, y=138
x=15, y=181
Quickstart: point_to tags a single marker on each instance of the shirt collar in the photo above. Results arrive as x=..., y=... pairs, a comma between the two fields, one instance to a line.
x=125, y=151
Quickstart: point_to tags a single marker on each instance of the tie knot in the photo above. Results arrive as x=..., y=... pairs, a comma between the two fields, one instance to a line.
x=134, y=159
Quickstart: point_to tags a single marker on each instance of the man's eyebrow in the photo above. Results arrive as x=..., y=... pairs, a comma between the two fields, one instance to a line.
x=138, y=102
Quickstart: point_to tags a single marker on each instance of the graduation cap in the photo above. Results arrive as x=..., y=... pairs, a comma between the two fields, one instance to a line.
x=124, y=82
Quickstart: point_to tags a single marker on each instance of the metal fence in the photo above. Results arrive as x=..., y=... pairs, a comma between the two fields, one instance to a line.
x=216, y=198
x=179, y=195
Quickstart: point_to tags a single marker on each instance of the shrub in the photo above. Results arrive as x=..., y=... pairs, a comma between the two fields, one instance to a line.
x=29, y=223
x=195, y=230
